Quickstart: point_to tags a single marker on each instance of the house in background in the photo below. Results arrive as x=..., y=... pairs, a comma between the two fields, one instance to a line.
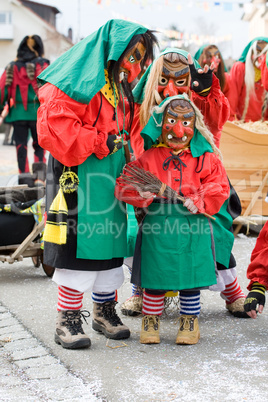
x=19, y=18
x=256, y=13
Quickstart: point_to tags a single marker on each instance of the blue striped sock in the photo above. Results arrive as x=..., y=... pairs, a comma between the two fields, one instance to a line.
x=102, y=297
x=190, y=303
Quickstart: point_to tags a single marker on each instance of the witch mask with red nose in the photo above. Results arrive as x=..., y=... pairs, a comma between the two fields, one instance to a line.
x=178, y=124
x=175, y=77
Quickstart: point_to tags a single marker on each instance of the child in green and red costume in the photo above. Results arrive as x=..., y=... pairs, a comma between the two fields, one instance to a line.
x=86, y=110
x=176, y=72
x=175, y=248
x=18, y=85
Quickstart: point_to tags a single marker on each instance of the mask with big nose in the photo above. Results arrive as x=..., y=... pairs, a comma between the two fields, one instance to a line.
x=178, y=124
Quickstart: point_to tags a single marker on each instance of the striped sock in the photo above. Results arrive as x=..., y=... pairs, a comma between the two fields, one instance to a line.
x=69, y=299
x=153, y=304
x=190, y=303
x=232, y=292
x=103, y=297
x=136, y=291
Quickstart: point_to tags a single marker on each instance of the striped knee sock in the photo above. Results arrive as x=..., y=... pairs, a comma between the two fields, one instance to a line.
x=232, y=292
x=190, y=303
x=103, y=297
x=153, y=304
x=69, y=299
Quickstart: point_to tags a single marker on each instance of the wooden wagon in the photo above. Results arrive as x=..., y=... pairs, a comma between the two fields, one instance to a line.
x=245, y=157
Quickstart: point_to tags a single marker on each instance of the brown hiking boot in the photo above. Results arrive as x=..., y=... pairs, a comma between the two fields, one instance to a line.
x=106, y=320
x=189, y=333
x=237, y=308
x=69, y=332
x=150, y=329
x=132, y=306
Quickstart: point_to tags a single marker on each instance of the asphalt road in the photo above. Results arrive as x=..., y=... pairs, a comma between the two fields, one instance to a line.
x=230, y=363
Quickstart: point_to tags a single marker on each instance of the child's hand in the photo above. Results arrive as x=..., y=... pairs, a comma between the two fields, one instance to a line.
x=146, y=194
x=189, y=204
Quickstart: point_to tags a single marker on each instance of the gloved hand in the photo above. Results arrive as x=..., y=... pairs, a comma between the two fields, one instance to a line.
x=201, y=79
x=255, y=296
x=114, y=143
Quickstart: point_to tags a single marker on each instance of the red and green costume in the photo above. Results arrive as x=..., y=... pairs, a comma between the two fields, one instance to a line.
x=78, y=111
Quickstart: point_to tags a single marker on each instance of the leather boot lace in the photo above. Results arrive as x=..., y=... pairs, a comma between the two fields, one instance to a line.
x=109, y=313
x=73, y=320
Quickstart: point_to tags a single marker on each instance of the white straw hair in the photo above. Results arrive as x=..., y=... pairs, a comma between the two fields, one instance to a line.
x=199, y=121
x=250, y=74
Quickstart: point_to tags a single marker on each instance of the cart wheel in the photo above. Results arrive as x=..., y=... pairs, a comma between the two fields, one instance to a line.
x=48, y=270
x=36, y=261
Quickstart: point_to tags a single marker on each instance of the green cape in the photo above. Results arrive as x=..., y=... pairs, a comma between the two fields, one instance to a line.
x=200, y=51
x=79, y=72
x=245, y=51
x=153, y=129
x=138, y=91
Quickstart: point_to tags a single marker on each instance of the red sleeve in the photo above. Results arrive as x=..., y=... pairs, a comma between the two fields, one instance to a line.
x=236, y=82
x=258, y=268
x=128, y=194
x=136, y=140
x=63, y=130
x=214, y=108
x=215, y=189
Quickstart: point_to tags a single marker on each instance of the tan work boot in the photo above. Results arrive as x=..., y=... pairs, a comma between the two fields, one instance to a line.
x=150, y=329
x=237, y=308
x=188, y=333
x=69, y=332
x=106, y=320
x=132, y=306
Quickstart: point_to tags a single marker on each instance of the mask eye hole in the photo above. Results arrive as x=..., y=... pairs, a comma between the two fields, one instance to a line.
x=186, y=123
x=163, y=81
x=131, y=59
x=171, y=120
x=180, y=83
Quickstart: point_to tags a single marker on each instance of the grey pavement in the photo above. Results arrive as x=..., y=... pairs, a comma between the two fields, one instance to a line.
x=230, y=363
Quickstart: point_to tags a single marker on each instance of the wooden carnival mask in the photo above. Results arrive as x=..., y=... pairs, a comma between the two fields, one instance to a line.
x=131, y=64
x=178, y=124
x=175, y=77
x=209, y=55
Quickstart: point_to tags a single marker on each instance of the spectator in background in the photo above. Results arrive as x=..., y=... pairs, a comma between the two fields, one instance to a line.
x=18, y=84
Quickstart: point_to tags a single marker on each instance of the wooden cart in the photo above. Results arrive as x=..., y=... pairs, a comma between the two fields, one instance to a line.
x=29, y=247
x=245, y=157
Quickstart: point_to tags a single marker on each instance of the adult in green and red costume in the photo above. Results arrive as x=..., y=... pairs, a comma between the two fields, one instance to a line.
x=86, y=112
x=18, y=87
x=175, y=247
x=247, y=98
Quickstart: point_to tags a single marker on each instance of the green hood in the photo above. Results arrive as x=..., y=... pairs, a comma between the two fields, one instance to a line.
x=138, y=91
x=245, y=51
x=79, y=72
x=153, y=129
x=200, y=51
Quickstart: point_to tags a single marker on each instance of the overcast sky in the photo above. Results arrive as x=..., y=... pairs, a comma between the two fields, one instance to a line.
x=216, y=18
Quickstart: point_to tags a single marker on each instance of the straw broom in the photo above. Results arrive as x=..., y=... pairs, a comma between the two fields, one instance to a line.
x=142, y=180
